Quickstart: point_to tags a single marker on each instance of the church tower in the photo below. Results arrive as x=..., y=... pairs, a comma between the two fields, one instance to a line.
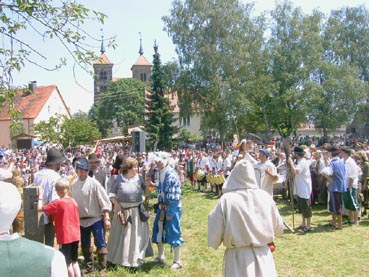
x=141, y=70
x=103, y=72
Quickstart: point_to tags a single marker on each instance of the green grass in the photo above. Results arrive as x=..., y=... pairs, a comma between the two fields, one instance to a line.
x=322, y=252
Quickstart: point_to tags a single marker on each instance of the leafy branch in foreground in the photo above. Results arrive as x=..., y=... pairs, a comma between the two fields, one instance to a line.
x=22, y=22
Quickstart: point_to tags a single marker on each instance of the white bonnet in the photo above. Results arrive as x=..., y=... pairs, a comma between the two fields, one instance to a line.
x=162, y=157
x=10, y=203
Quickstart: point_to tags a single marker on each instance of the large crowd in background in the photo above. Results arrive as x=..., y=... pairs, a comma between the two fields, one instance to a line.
x=331, y=172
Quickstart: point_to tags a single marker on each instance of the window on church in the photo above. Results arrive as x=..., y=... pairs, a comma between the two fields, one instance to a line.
x=103, y=75
x=143, y=77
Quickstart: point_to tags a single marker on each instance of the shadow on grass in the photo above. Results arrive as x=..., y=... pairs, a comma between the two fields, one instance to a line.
x=148, y=266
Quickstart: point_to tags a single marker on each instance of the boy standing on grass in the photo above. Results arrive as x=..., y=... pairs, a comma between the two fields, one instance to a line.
x=65, y=212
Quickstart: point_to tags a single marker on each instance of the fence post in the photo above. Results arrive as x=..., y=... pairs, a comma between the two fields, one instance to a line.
x=33, y=220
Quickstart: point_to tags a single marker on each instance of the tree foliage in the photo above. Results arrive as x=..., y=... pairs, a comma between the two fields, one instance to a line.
x=269, y=72
x=22, y=22
x=68, y=131
x=337, y=86
x=122, y=104
x=159, y=124
x=214, y=40
x=294, y=47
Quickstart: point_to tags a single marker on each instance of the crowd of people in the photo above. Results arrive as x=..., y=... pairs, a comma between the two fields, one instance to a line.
x=106, y=188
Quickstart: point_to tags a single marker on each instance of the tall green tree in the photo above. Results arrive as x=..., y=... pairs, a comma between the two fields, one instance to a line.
x=344, y=73
x=336, y=97
x=160, y=121
x=214, y=42
x=337, y=86
x=294, y=50
x=122, y=104
x=60, y=21
x=347, y=38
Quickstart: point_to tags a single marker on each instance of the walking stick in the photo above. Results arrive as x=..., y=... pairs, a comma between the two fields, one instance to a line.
x=286, y=146
x=288, y=226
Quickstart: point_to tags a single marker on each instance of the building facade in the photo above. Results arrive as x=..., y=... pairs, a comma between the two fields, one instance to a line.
x=36, y=106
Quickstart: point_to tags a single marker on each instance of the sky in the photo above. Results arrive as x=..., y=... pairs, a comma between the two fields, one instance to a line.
x=126, y=20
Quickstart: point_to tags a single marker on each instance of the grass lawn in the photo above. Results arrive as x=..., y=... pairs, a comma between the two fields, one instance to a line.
x=321, y=252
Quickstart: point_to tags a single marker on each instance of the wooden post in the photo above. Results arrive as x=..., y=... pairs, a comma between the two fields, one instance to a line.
x=33, y=220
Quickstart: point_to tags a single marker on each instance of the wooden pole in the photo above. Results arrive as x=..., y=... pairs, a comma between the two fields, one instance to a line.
x=33, y=220
x=289, y=178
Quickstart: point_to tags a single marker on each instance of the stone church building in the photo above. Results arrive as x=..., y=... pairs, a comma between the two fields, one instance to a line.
x=141, y=70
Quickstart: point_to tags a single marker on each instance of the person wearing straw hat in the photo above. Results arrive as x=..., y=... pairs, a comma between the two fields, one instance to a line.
x=246, y=220
x=21, y=256
x=46, y=179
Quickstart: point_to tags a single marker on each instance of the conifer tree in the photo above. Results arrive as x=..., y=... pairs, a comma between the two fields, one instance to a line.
x=159, y=117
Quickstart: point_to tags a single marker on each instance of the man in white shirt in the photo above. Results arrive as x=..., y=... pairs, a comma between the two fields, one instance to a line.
x=268, y=172
x=46, y=179
x=227, y=162
x=350, y=198
x=302, y=186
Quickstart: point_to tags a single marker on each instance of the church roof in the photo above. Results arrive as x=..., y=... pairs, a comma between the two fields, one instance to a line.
x=142, y=61
x=103, y=59
x=32, y=104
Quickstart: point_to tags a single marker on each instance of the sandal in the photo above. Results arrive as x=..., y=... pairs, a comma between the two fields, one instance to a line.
x=306, y=230
x=301, y=227
x=176, y=265
x=159, y=260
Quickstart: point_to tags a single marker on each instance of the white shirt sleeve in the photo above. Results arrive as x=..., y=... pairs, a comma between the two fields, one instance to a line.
x=58, y=265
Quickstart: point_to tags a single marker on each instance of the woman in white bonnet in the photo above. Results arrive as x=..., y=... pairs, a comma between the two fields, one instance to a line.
x=245, y=220
x=20, y=256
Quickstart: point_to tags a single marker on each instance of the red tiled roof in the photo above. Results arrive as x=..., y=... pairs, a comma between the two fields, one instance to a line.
x=32, y=104
x=142, y=61
x=103, y=59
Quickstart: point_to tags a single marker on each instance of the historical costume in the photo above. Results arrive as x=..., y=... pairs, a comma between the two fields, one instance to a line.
x=21, y=256
x=129, y=239
x=167, y=224
x=245, y=220
x=94, y=207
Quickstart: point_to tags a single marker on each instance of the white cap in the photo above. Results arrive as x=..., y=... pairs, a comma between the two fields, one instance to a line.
x=10, y=203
